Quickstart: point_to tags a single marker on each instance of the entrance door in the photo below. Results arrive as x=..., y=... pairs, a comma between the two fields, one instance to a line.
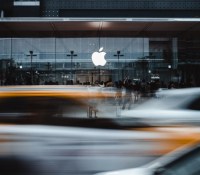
x=89, y=77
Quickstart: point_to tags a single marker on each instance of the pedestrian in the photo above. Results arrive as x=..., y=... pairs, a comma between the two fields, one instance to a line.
x=128, y=93
x=118, y=95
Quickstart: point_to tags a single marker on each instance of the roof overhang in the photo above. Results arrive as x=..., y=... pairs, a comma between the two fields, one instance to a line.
x=95, y=27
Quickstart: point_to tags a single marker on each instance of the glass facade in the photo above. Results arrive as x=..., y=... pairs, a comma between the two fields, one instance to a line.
x=50, y=60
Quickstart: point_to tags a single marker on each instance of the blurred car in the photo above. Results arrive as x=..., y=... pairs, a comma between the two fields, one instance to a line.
x=65, y=150
x=184, y=161
x=169, y=107
x=43, y=103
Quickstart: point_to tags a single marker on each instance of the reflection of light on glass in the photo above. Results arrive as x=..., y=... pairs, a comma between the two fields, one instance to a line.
x=169, y=66
x=149, y=71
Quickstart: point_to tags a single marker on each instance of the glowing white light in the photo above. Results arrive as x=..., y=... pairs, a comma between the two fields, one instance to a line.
x=98, y=58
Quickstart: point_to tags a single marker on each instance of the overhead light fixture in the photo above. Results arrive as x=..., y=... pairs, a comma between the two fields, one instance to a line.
x=98, y=58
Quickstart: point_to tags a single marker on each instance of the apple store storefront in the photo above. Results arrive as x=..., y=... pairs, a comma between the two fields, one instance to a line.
x=85, y=60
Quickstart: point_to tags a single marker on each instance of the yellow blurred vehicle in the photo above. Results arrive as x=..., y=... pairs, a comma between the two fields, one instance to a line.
x=44, y=102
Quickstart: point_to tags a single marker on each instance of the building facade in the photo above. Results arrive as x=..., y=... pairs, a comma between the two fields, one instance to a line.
x=103, y=8
x=136, y=44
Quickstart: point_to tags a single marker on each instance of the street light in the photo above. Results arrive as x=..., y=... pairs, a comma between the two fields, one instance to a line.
x=169, y=67
x=71, y=55
x=31, y=55
x=118, y=55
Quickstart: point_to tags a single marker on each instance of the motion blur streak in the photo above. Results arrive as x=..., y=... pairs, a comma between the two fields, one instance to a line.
x=83, y=131
x=69, y=150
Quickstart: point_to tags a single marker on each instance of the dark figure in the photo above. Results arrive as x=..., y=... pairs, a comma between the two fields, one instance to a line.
x=118, y=95
x=128, y=94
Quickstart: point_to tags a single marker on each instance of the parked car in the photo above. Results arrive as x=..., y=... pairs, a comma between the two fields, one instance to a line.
x=169, y=107
x=183, y=161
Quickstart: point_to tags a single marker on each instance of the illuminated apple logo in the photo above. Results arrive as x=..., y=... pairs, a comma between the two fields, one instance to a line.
x=98, y=58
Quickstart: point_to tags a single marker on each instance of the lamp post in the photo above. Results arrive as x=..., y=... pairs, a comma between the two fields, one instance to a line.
x=118, y=55
x=71, y=55
x=31, y=55
x=169, y=67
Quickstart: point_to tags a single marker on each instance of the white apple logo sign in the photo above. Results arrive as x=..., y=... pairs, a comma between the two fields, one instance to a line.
x=98, y=58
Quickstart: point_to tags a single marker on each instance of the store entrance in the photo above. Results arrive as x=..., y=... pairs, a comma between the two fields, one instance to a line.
x=92, y=77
